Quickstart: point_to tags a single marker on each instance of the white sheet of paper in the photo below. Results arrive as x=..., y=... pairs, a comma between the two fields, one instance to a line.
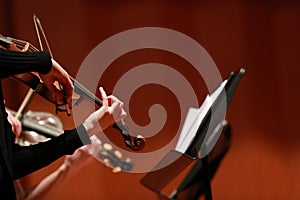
x=194, y=118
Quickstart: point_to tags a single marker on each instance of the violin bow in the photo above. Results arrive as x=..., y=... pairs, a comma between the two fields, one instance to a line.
x=39, y=29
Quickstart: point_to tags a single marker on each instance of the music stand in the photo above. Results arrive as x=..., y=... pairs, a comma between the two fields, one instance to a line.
x=197, y=181
x=203, y=168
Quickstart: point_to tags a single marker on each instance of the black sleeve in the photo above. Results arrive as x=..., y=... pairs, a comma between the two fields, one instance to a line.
x=27, y=159
x=15, y=62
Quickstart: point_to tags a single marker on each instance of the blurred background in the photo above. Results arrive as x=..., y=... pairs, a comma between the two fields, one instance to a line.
x=262, y=36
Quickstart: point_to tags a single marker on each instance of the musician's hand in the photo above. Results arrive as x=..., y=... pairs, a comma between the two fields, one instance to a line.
x=110, y=112
x=58, y=74
x=16, y=125
x=84, y=155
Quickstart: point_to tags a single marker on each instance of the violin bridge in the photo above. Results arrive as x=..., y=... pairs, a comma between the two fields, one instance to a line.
x=26, y=47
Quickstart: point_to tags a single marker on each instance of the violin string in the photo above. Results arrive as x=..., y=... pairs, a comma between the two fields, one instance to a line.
x=86, y=92
x=21, y=44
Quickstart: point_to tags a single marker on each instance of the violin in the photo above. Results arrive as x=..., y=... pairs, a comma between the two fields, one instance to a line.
x=41, y=126
x=114, y=159
x=34, y=82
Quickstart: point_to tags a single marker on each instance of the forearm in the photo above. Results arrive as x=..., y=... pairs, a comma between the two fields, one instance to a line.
x=13, y=62
x=51, y=184
x=28, y=159
x=56, y=181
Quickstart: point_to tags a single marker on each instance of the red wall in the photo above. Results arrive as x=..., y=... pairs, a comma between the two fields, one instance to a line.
x=261, y=36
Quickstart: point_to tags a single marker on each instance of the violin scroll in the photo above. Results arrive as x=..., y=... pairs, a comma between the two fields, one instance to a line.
x=114, y=159
x=134, y=143
x=139, y=143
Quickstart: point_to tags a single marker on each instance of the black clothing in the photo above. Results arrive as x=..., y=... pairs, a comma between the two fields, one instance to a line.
x=15, y=62
x=17, y=161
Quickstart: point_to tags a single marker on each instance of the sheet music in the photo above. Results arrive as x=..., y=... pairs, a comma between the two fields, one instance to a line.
x=194, y=118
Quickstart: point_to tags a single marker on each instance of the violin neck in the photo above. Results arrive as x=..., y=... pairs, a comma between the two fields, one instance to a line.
x=81, y=90
x=4, y=42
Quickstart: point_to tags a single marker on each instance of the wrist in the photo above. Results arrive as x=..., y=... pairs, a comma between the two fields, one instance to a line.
x=88, y=127
x=83, y=134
